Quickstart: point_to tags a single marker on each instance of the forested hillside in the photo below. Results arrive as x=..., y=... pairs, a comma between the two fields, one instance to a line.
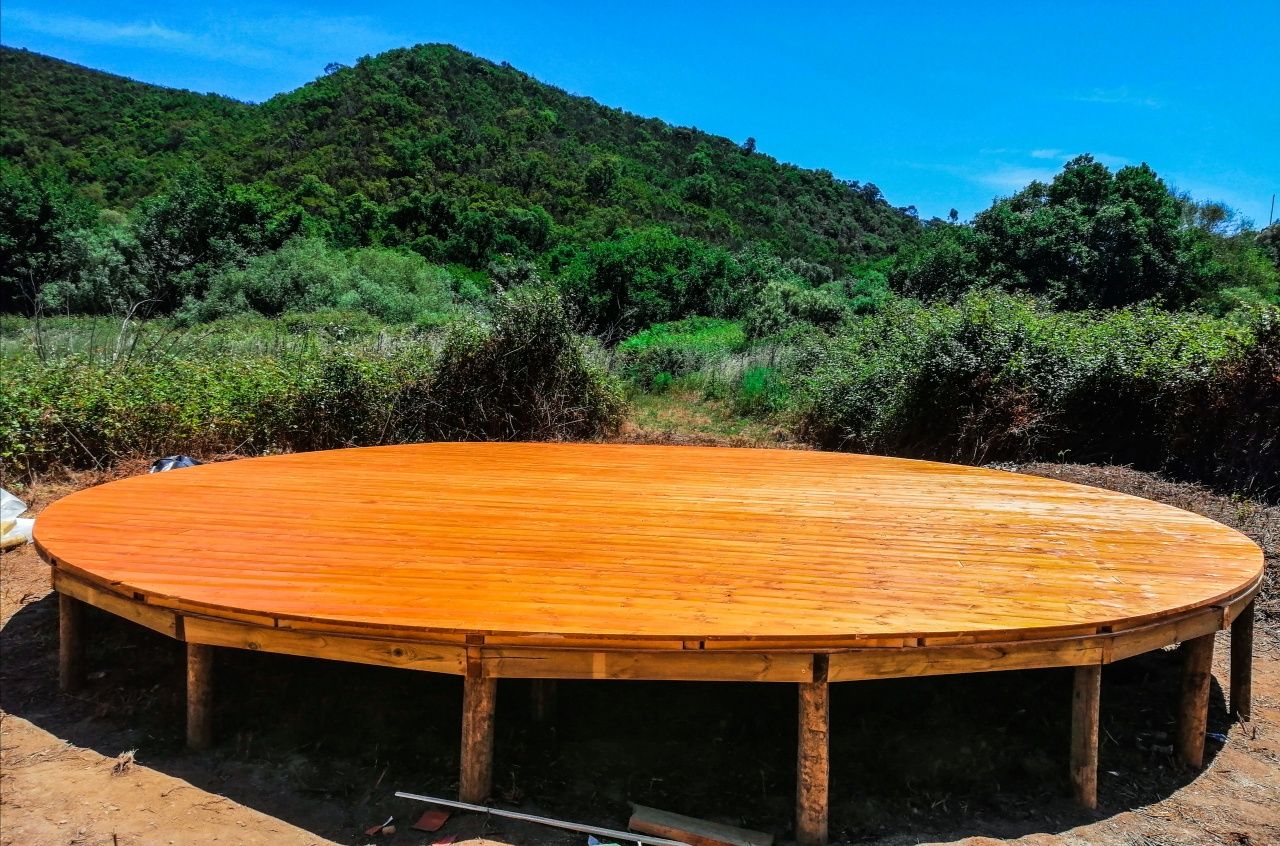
x=439, y=150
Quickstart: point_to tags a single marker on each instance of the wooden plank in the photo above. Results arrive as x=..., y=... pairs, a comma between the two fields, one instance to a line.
x=1145, y=639
x=479, y=700
x=594, y=643
x=693, y=830
x=364, y=629
x=156, y=619
x=440, y=658
x=1193, y=704
x=199, y=696
x=813, y=758
x=860, y=664
x=1085, y=698
x=70, y=643
x=686, y=665
x=807, y=645
x=1236, y=606
x=1242, y=664
x=183, y=607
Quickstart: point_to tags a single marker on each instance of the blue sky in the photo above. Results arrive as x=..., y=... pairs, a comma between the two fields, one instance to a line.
x=941, y=105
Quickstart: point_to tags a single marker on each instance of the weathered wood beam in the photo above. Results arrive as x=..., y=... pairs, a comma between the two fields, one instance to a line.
x=813, y=757
x=692, y=830
x=479, y=698
x=70, y=643
x=1085, y=699
x=543, y=700
x=1242, y=663
x=1193, y=706
x=199, y=696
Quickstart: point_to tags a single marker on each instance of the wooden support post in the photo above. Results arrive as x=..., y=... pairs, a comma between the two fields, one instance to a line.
x=1084, y=734
x=1193, y=707
x=1242, y=664
x=813, y=757
x=479, y=697
x=70, y=643
x=543, y=700
x=199, y=696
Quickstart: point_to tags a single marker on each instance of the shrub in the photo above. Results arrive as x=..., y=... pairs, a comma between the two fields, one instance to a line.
x=762, y=390
x=521, y=374
x=678, y=348
x=307, y=275
x=1228, y=431
x=662, y=382
x=785, y=302
x=999, y=377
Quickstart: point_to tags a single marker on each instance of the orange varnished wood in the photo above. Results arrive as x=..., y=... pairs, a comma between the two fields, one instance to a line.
x=667, y=547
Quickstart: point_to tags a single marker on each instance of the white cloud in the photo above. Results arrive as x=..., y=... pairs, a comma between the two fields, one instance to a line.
x=1012, y=177
x=255, y=43
x=76, y=28
x=146, y=34
x=1118, y=96
x=1063, y=156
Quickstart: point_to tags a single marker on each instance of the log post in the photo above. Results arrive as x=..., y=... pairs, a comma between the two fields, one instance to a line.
x=1084, y=734
x=813, y=757
x=199, y=696
x=1193, y=706
x=543, y=700
x=1242, y=664
x=479, y=697
x=70, y=643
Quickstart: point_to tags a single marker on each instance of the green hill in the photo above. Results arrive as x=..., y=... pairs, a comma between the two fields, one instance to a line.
x=436, y=149
x=117, y=139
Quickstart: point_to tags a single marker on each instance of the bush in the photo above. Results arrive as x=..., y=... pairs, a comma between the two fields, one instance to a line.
x=762, y=390
x=785, y=302
x=678, y=348
x=78, y=413
x=521, y=374
x=999, y=377
x=308, y=275
x=647, y=276
x=1229, y=431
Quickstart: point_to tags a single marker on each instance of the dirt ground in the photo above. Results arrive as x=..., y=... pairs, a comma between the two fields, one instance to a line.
x=311, y=751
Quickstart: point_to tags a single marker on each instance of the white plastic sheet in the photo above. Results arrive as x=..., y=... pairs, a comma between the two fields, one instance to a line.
x=14, y=529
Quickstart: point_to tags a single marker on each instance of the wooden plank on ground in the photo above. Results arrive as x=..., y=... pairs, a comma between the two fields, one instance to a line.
x=693, y=830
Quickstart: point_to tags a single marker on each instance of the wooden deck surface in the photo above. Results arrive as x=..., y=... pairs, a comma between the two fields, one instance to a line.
x=641, y=543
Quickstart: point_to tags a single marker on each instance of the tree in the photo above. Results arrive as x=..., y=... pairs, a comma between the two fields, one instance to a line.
x=1087, y=239
x=1269, y=241
x=602, y=177
x=37, y=212
x=100, y=278
x=200, y=225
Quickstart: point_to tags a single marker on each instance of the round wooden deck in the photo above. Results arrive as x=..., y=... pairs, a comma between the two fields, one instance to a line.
x=620, y=561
